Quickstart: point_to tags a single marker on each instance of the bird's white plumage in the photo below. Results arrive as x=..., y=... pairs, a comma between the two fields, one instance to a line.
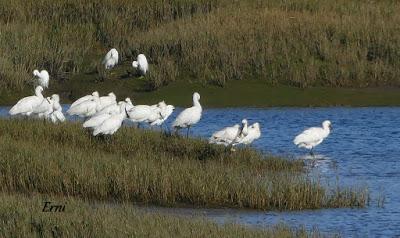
x=26, y=105
x=165, y=112
x=56, y=114
x=141, y=64
x=86, y=108
x=44, y=109
x=43, y=77
x=313, y=136
x=111, y=59
x=85, y=98
x=230, y=135
x=111, y=124
x=105, y=101
x=140, y=113
x=189, y=116
x=253, y=133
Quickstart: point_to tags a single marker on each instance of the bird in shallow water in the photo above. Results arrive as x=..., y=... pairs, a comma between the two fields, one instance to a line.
x=313, y=136
x=190, y=116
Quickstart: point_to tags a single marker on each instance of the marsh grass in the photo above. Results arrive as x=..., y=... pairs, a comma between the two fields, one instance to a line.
x=22, y=216
x=299, y=43
x=149, y=167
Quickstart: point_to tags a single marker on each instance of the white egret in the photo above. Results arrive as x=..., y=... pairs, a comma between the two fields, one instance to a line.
x=85, y=98
x=86, y=108
x=105, y=101
x=56, y=115
x=189, y=116
x=166, y=111
x=111, y=124
x=129, y=104
x=313, y=136
x=253, y=133
x=44, y=109
x=230, y=135
x=111, y=59
x=43, y=77
x=141, y=64
x=26, y=105
x=142, y=113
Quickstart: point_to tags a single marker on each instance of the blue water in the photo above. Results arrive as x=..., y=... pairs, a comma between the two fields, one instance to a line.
x=363, y=149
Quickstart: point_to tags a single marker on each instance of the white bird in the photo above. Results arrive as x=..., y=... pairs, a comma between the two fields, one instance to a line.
x=86, y=108
x=44, y=109
x=189, y=116
x=141, y=64
x=313, y=136
x=97, y=119
x=129, y=104
x=26, y=105
x=253, y=133
x=105, y=101
x=43, y=77
x=111, y=59
x=85, y=98
x=110, y=109
x=56, y=115
x=166, y=111
x=142, y=113
x=230, y=135
x=111, y=124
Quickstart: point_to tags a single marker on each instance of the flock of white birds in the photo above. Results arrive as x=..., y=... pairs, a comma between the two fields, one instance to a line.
x=104, y=115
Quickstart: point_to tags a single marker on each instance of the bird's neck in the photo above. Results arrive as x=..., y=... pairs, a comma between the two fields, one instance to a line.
x=196, y=103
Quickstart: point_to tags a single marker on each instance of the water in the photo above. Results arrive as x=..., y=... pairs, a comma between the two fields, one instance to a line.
x=363, y=149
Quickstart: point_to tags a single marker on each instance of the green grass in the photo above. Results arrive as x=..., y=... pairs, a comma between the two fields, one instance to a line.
x=22, y=216
x=151, y=168
x=298, y=43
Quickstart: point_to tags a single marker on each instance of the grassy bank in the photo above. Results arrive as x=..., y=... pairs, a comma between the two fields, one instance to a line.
x=300, y=43
x=23, y=217
x=148, y=167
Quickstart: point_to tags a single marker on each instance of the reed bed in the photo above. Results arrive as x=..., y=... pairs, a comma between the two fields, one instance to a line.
x=22, y=216
x=299, y=43
x=151, y=168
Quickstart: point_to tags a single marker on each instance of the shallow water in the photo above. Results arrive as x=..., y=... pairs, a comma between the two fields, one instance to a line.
x=363, y=149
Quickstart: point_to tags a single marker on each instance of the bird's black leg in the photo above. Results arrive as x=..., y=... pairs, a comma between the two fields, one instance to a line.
x=187, y=134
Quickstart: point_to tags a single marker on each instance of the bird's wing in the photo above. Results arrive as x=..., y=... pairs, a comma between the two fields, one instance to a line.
x=107, y=57
x=96, y=120
x=310, y=135
x=59, y=115
x=82, y=99
x=139, y=112
x=42, y=107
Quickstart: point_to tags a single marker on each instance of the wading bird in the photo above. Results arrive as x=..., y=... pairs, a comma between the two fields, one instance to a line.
x=313, y=136
x=56, y=115
x=230, y=135
x=141, y=64
x=85, y=98
x=26, y=105
x=43, y=77
x=111, y=59
x=105, y=101
x=86, y=108
x=189, y=116
x=253, y=133
x=111, y=124
x=165, y=112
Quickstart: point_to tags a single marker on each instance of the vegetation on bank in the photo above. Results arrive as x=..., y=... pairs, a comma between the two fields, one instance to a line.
x=22, y=216
x=153, y=168
x=301, y=43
